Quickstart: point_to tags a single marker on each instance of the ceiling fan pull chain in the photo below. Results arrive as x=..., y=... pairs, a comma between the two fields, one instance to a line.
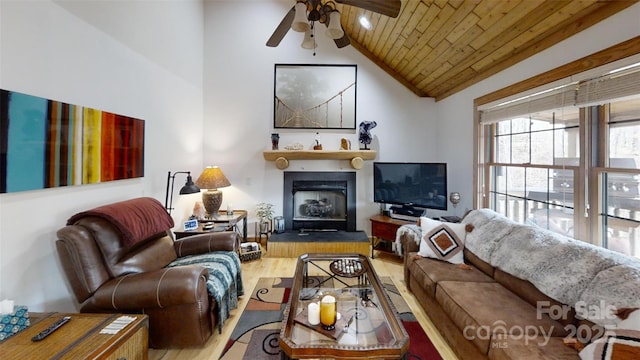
x=313, y=36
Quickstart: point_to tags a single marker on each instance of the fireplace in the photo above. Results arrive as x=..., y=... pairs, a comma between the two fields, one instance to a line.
x=319, y=201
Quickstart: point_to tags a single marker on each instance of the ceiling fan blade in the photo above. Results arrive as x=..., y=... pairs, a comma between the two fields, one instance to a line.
x=389, y=8
x=282, y=29
x=343, y=41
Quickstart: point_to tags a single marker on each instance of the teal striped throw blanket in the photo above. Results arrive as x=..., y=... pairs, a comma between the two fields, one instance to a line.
x=225, y=279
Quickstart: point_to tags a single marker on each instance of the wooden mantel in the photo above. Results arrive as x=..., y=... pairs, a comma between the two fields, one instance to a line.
x=282, y=157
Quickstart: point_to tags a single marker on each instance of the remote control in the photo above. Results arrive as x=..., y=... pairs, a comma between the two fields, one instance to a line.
x=55, y=326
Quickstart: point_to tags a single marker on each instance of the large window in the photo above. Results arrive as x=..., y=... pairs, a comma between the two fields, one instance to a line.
x=534, y=168
x=619, y=213
x=567, y=159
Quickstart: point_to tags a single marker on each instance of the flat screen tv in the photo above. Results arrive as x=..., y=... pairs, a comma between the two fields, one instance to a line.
x=411, y=185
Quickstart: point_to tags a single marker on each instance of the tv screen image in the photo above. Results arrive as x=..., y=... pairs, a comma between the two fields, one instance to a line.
x=411, y=184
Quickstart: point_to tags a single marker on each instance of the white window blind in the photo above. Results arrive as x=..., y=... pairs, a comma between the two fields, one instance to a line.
x=555, y=98
x=614, y=85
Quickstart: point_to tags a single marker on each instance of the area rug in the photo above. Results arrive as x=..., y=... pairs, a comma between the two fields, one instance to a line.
x=256, y=333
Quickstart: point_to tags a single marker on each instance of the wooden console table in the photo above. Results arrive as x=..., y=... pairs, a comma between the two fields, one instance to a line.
x=383, y=232
x=80, y=338
x=223, y=222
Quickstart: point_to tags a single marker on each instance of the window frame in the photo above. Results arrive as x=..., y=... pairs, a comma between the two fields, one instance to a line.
x=587, y=207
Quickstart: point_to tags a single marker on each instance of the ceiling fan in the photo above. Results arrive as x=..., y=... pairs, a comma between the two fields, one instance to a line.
x=305, y=13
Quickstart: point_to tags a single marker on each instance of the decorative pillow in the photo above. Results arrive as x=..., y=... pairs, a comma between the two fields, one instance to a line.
x=620, y=343
x=442, y=240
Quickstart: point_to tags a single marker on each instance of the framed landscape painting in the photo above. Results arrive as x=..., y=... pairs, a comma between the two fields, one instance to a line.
x=315, y=96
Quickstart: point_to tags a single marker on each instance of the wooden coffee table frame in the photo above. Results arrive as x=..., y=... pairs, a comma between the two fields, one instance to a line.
x=329, y=349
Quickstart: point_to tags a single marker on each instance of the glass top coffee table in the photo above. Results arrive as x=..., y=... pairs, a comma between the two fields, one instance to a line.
x=368, y=325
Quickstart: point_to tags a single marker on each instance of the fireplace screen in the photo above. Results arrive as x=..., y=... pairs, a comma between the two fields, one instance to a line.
x=319, y=200
x=320, y=205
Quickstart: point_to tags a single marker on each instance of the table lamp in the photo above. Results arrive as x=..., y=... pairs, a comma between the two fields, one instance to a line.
x=188, y=188
x=211, y=179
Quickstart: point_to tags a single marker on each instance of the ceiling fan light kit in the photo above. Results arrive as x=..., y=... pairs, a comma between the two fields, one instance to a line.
x=305, y=13
x=309, y=41
x=300, y=22
x=334, y=30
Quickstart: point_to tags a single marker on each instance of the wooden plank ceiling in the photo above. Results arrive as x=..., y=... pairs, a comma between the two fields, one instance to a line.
x=439, y=47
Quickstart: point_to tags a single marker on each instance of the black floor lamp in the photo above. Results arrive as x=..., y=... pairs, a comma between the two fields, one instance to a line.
x=188, y=188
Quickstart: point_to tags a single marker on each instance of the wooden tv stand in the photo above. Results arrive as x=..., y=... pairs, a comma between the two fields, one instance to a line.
x=383, y=232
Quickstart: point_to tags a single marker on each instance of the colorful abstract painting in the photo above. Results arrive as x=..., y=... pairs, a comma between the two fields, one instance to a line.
x=46, y=143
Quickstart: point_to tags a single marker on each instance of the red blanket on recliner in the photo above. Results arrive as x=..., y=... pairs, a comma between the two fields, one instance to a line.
x=136, y=219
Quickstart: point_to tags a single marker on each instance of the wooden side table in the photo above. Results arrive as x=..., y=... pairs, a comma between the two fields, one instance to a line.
x=80, y=338
x=383, y=231
x=223, y=222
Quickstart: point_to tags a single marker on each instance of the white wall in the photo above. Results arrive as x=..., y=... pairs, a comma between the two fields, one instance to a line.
x=123, y=57
x=238, y=93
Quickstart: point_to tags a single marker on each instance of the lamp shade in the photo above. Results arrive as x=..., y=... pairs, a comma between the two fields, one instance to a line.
x=309, y=41
x=454, y=197
x=212, y=178
x=189, y=187
x=300, y=22
x=334, y=30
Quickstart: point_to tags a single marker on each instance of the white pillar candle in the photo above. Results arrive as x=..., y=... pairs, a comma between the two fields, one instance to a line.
x=314, y=313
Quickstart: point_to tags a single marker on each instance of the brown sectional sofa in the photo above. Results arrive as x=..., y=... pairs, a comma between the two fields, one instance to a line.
x=485, y=311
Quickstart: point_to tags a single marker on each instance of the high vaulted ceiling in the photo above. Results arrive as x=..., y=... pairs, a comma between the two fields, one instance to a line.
x=439, y=47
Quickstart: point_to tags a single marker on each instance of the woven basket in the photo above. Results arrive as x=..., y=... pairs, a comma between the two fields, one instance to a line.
x=250, y=255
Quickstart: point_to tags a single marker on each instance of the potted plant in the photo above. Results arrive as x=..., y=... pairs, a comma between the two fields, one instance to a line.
x=264, y=213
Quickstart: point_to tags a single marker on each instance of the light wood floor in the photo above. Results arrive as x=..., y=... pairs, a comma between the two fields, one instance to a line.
x=385, y=265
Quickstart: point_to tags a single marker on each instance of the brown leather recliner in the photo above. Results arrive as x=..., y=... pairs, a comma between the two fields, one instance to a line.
x=111, y=273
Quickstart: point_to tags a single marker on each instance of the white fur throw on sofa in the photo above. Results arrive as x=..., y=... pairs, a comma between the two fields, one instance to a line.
x=411, y=231
x=570, y=271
